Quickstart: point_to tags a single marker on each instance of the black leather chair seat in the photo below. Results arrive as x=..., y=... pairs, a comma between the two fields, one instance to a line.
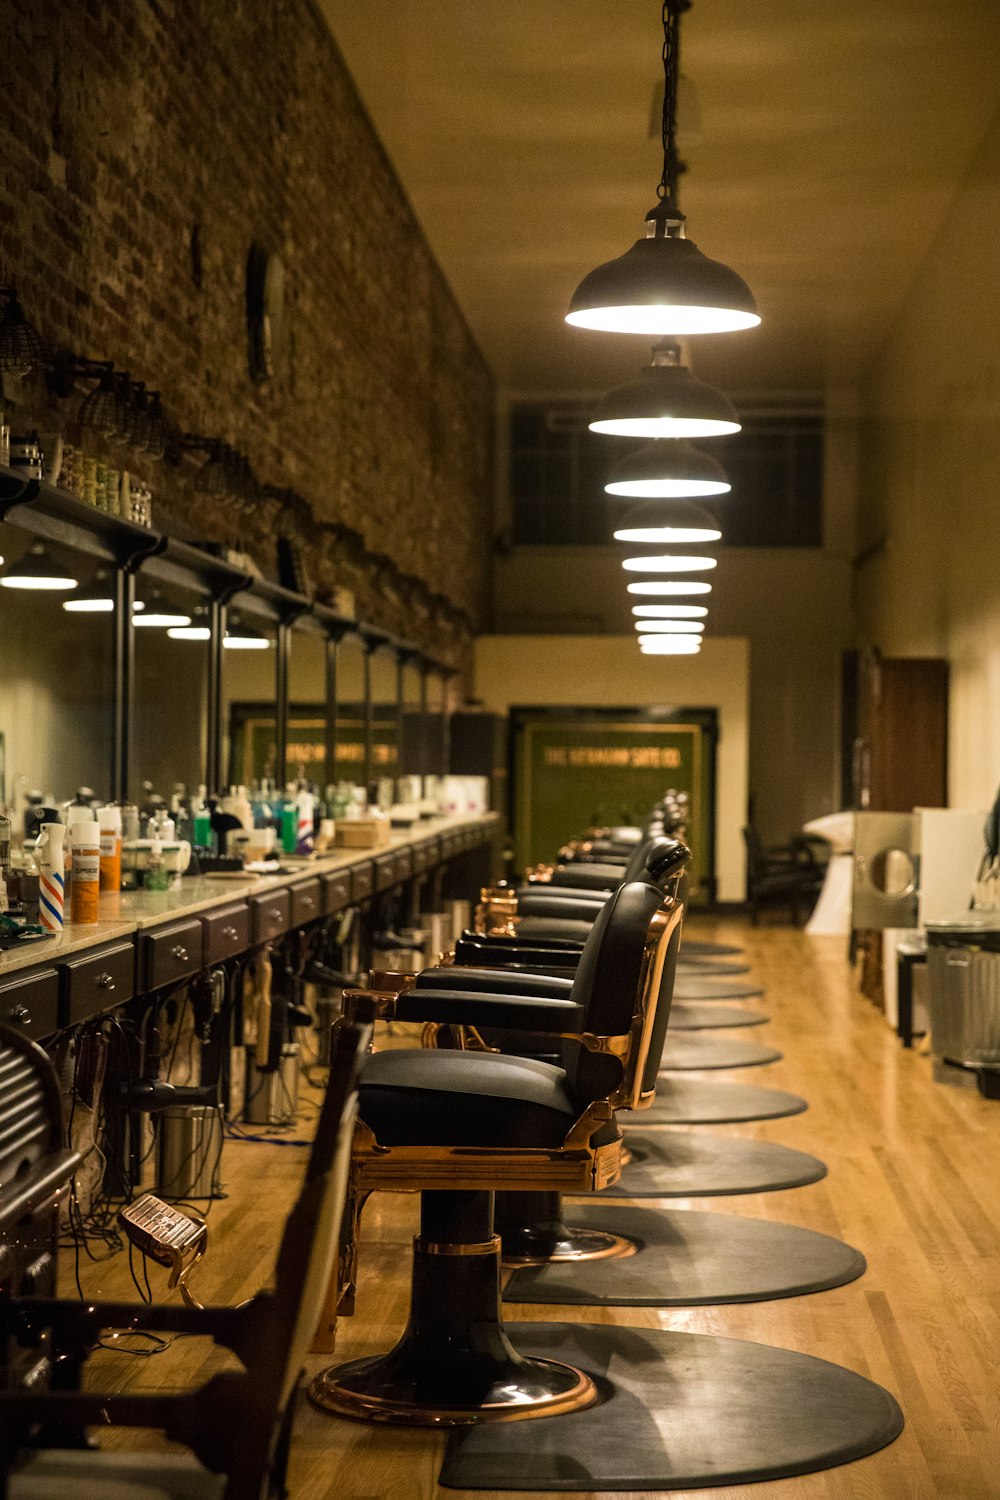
x=411, y=1098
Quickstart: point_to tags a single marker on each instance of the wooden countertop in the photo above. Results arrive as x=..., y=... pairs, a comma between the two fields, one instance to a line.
x=123, y=913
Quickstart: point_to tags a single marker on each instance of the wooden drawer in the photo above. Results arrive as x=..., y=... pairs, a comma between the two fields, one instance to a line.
x=362, y=881
x=169, y=954
x=418, y=857
x=227, y=933
x=270, y=916
x=306, y=902
x=31, y=1002
x=336, y=891
x=404, y=864
x=96, y=982
x=385, y=872
x=432, y=853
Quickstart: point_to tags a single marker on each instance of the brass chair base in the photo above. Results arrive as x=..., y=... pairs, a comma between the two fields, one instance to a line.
x=454, y=1364
x=518, y=1390
x=568, y=1245
x=534, y=1233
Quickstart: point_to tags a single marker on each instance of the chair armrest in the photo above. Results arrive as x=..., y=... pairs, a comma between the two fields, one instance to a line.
x=587, y=877
x=563, y=893
x=507, y=1012
x=457, y=979
x=484, y=952
x=579, y=906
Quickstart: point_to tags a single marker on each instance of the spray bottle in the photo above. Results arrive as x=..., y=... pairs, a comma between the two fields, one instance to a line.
x=49, y=855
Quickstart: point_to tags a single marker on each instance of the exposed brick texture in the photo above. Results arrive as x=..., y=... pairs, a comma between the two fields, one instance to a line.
x=145, y=145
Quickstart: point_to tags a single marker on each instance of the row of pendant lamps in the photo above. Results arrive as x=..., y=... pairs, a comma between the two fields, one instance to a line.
x=40, y=571
x=666, y=288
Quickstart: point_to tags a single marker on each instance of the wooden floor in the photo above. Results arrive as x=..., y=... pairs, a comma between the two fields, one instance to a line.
x=913, y=1182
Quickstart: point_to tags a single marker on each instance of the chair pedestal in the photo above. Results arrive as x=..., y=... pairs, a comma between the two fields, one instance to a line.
x=534, y=1233
x=454, y=1364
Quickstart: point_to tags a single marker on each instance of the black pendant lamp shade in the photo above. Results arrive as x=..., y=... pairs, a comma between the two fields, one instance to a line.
x=664, y=285
x=667, y=469
x=667, y=522
x=667, y=401
x=22, y=348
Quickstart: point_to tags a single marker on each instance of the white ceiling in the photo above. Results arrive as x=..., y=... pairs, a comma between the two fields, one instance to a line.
x=832, y=140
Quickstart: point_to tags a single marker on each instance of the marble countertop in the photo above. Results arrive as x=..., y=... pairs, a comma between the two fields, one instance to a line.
x=124, y=913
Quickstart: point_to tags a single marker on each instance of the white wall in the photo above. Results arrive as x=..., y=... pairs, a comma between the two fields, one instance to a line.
x=930, y=476
x=589, y=670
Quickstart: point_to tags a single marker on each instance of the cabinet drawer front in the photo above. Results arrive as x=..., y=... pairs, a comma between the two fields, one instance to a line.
x=432, y=853
x=336, y=892
x=226, y=933
x=306, y=903
x=418, y=858
x=385, y=872
x=404, y=864
x=270, y=916
x=171, y=953
x=31, y=1003
x=96, y=983
x=362, y=881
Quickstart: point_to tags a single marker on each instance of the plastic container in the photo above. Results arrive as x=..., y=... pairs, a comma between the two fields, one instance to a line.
x=110, y=820
x=85, y=846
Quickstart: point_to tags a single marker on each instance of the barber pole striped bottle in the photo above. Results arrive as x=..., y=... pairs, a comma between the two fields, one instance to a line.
x=50, y=899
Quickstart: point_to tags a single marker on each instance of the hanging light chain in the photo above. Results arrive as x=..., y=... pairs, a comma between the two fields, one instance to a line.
x=672, y=168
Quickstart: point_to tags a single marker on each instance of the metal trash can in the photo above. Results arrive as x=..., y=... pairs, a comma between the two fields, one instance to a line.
x=190, y=1148
x=963, y=961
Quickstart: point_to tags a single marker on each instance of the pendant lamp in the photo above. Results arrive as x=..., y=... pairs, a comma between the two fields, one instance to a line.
x=155, y=613
x=669, y=611
x=670, y=522
x=670, y=645
x=244, y=638
x=670, y=627
x=95, y=598
x=664, y=284
x=667, y=469
x=667, y=401
x=662, y=587
x=197, y=630
x=38, y=569
x=668, y=562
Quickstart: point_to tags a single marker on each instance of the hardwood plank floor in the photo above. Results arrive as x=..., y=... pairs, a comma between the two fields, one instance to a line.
x=912, y=1182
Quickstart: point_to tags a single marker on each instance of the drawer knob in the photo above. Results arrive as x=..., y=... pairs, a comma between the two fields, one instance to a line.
x=230, y=933
x=20, y=1015
x=275, y=913
x=308, y=902
x=105, y=982
x=180, y=953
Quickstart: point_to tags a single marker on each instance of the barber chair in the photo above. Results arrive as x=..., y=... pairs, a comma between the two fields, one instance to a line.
x=36, y=1168
x=458, y=1126
x=531, y=1225
x=238, y=1424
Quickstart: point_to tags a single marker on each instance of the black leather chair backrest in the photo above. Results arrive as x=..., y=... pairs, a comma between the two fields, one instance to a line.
x=607, y=984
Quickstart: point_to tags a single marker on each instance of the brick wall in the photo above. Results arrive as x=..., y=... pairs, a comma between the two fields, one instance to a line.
x=145, y=145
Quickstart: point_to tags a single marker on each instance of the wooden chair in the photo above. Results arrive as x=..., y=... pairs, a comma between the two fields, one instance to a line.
x=238, y=1424
x=456, y=1126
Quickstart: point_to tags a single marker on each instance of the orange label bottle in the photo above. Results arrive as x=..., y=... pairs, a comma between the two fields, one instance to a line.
x=85, y=840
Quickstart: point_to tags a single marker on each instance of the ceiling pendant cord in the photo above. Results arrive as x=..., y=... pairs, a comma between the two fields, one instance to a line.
x=664, y=284
x=667, y=214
